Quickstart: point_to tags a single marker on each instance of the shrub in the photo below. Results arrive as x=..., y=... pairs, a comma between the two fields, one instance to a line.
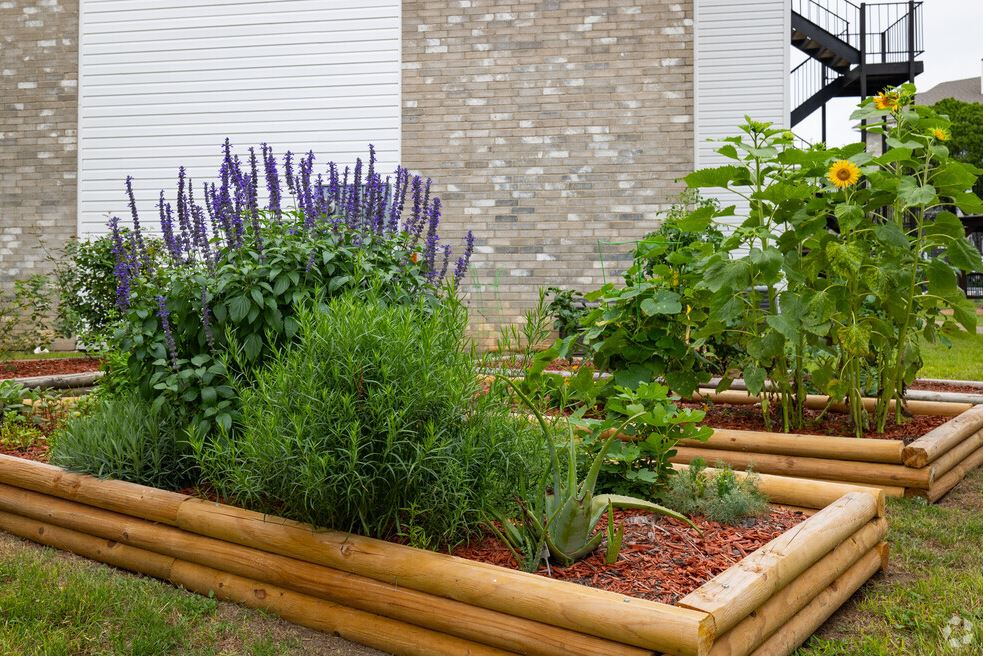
x=372, y=421
x=25, y=315
x=221, y=301
x=125, y=438
x=720, y=497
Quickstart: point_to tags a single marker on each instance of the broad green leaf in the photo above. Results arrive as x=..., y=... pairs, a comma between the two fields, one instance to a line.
x=696, y=221
x=663, y=303
x=913, y=195
x=941, y=277
x=238, y=308
x=892, y=235
x=717, y=177
x=754, y=376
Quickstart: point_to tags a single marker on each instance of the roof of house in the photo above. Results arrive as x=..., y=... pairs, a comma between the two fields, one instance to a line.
x=970, y=90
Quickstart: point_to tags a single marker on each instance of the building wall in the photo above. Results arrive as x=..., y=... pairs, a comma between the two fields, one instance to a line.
x=164, y=83
x=553, y=129
x=38, y=78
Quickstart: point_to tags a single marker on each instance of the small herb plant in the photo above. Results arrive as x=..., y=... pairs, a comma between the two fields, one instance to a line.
x=721, y=497
x=568, y=308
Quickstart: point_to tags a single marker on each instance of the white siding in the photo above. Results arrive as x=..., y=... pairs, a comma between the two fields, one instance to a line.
x=162, y=84
x=742, y=64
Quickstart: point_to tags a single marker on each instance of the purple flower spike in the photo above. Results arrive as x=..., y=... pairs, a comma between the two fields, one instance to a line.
x=273, y=181
x=123, y=266
x=431, y=240
x=463, y=263
x=289, y=171
x=169, y=338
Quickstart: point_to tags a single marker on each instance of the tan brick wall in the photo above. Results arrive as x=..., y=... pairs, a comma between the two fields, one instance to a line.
x=553, y=129
x=38, y=122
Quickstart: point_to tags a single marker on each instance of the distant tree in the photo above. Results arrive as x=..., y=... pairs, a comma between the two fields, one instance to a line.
x=967, y=133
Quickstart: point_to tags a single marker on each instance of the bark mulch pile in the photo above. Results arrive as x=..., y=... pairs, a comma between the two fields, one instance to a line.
x=36, y=452
x=750, y=418
x=48, y=366
x=945, y=387
x=662, y=559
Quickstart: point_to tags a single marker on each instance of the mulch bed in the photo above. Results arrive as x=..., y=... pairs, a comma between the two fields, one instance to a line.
x=47, y=367
x=750, y=418
x=945, y=387
x=36, y=452
x=662, y=558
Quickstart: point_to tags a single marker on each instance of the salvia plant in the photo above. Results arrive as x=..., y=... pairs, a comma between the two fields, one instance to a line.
x=219, y=296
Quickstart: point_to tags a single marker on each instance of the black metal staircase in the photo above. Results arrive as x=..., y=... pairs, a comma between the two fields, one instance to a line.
x=853, y=50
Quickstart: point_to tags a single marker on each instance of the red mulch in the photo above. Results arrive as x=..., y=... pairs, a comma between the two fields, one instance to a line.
x=945, y=387
x=36, y=452
x=749, y=417
x=48, y=366
x=662, y=559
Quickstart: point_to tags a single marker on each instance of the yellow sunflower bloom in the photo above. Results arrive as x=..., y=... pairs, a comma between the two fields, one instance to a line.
x=887, y=101
x=843, y=174
x=941, y=134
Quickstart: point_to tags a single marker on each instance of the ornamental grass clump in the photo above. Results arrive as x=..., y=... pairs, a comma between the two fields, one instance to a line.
x=373, y=421
x=217, y=300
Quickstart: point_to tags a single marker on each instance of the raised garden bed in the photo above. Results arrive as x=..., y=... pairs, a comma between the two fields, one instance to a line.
x=927, y=464
x=47, y=367
x=408, y=601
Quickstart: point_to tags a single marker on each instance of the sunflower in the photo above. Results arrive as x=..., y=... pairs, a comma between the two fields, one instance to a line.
x=887, y=100
x=941, y=134
x=843, y=173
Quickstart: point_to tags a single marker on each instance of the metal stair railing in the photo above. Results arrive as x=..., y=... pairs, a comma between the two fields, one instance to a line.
x=809, y=78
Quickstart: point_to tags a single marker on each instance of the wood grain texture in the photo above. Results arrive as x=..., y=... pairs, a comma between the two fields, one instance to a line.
x=871, y=450
x=939, y=440
x=740, y=590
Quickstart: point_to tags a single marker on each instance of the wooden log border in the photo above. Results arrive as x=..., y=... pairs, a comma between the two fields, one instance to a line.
x=408, y=601
x=928, y=467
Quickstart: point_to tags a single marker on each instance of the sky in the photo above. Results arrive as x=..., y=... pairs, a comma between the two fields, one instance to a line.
x=953, y=43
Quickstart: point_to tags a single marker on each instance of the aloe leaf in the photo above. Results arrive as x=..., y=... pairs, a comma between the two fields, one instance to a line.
x=601, y=502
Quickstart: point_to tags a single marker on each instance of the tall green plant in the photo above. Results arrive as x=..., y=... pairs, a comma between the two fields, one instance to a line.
x=372, y=421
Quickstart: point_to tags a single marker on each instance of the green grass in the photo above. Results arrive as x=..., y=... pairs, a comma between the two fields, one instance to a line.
x=963, y=360
x=55, y=603
x=935, y=575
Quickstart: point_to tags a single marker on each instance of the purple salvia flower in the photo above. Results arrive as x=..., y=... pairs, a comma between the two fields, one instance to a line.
x=169, y=338
x=447, y=255
x=431, y=240
x=207, y=321
x=334, y=186
x=210, y=208
x=289, y=171
x=463, y=263
x=258, y=240
x=184, y=223
x=122, y=268
x=415, y=205
x=138, y=234
x=168, y=228
x=273, y=180
x=397, y=204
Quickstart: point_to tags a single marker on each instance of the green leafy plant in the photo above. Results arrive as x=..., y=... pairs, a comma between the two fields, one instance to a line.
x=640, y=462
x=373, y=421
x=564, y=520
x=12, y=396
x=838, y=277
x=126, y=438
x=25, y=315
x=520, y=342
x=721, y=496
x=966, y=128
x=17, y=431
x=568, y=308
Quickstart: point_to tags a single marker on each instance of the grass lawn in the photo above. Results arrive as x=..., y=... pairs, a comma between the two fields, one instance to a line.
x=935, y=576
x=55, y=603
x=963, y=360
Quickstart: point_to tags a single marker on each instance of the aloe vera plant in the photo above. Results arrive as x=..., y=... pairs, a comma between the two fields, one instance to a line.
x=563, y=523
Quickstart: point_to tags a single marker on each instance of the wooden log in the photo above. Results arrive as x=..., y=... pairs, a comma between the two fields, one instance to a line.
x=870, y=450
x=793, y=633
x=910, y=394
x=939, y=440
x=762, y=623
x=957, y=454
x=818, y=402
x=881, y=474
x=948, y=481
x=634, y=621
x=111, y=494
x=368, y=629
x=441, y=614
x=60, y=381
x=808, y=493
x=604, y=614
x=737, y=592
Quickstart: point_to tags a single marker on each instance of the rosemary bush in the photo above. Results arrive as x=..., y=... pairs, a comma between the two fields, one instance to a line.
x=125, y=438
x=721, y=497
x=372, y=421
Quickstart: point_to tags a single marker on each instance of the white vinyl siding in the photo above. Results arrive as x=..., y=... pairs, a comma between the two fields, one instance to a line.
x=162, y=84
x=742, y=64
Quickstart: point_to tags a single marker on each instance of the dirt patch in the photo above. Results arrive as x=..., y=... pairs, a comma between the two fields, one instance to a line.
x=945, y=387
x=662, y=559
x=48, y=366
x=36, y=452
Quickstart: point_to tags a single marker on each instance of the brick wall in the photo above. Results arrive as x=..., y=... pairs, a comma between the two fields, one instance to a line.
x=554, y=129
x=38, y=91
